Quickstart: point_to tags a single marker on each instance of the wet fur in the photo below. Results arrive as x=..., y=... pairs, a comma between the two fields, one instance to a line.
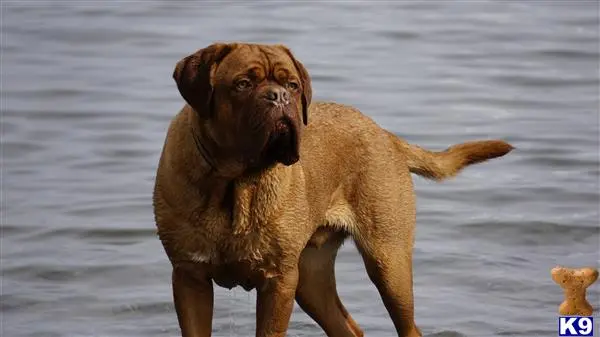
x=275, y=227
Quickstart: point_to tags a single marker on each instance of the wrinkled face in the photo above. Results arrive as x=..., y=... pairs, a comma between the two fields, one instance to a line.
x=256, y=100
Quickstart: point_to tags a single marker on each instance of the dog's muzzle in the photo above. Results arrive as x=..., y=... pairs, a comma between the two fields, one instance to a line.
x=283, y=144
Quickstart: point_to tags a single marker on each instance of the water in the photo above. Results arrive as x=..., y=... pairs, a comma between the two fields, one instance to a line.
x=87, y=95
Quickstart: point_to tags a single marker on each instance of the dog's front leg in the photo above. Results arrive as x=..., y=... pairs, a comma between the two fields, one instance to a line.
x=193, y=296
x=275, y=302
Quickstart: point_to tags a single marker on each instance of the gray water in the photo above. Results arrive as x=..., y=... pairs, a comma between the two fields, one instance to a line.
x=87, y=95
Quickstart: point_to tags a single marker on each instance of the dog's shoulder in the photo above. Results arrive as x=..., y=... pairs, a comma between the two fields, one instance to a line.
x=340, y=120
x=341, y=133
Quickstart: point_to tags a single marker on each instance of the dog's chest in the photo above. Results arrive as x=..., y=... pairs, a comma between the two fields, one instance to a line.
x=245, y=260
x=212, y=240
x=242, y=264
x=241, y=273
x=238, y=237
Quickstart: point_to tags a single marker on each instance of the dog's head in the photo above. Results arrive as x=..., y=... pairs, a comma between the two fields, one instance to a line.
x=254, y=98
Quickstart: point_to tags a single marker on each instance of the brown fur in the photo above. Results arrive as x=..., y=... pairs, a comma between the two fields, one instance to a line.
x=239, y=202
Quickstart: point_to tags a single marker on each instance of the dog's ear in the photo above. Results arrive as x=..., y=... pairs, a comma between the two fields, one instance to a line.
x=306, y=84
x=194, y=76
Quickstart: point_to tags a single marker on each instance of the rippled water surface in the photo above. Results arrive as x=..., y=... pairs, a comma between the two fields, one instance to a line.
x=87, y=95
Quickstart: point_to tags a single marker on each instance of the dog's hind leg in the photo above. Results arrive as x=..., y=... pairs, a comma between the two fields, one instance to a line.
x=385, y=238
x=390, y=270
x=387, y=254
x=317, y=294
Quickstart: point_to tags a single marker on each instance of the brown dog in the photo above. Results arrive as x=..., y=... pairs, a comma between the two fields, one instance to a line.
x=258, y=187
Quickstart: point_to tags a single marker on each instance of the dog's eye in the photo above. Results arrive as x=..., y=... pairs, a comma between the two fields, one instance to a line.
x=292, y=85
x=243, y=84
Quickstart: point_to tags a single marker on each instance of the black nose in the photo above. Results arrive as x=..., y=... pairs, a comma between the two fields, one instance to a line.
x=279, y=95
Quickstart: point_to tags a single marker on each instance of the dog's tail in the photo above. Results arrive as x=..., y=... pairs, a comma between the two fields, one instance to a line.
x=446, y=164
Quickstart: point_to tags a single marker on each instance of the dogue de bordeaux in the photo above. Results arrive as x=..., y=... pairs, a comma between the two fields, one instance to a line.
x=257, y=186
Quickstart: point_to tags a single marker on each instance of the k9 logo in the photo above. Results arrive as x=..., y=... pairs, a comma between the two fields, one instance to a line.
x=575, y=326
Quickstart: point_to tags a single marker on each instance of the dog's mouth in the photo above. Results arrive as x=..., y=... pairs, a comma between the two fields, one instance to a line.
x=282, y=145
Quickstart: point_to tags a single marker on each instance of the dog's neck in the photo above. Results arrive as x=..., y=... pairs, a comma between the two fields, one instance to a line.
x=230, y=183
x=214, y=162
